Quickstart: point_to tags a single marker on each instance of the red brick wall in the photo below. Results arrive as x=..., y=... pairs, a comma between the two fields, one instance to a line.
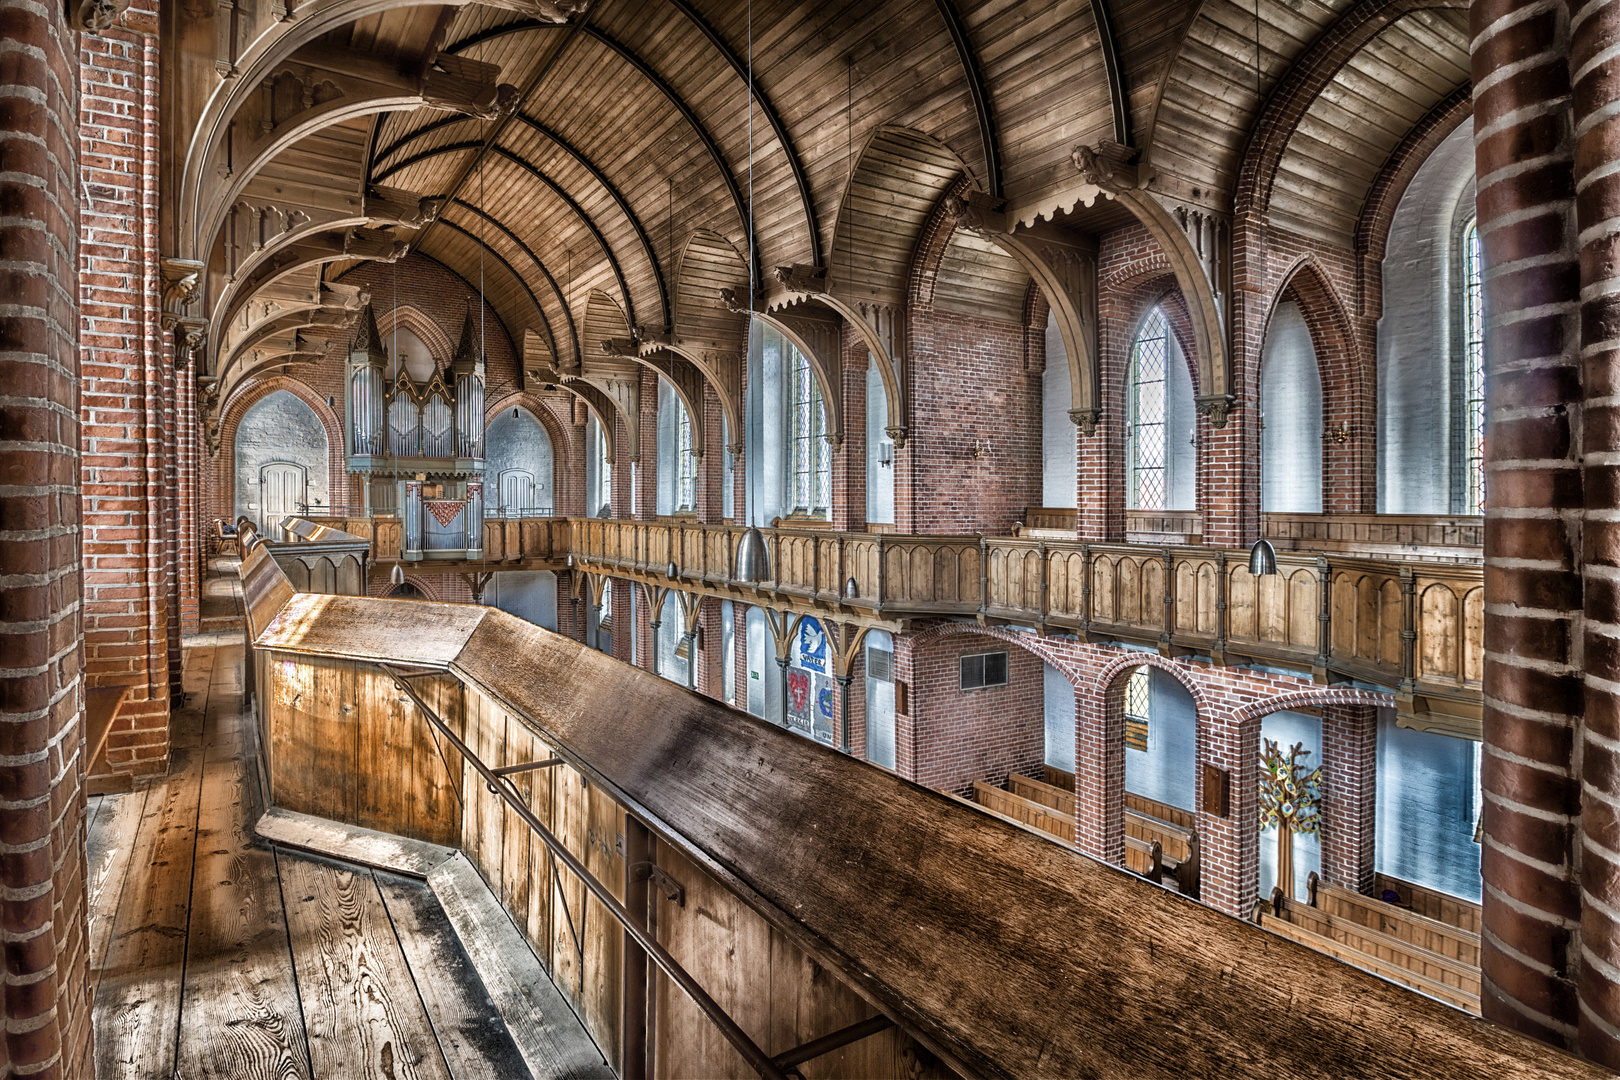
x=965, y=735
x=46, y=1003
x=976, y=382
x=128, y=401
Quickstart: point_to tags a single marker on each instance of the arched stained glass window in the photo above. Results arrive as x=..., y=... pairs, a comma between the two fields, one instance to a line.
x=1474, y=368
x=1149, y=355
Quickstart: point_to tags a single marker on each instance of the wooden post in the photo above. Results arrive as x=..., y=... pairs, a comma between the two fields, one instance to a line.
x=1285, y=859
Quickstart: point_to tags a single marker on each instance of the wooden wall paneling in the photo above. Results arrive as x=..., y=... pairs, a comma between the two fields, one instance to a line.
x=1473, y=636
x=1390, y=623
x=1304, y=604
x=1439, y=622
x=538, y=922
x=1208, y=616
x=1271, y=604
x=601, y=996
x=806, y=1003
x=384, y=775
x=568, y=892
x=727, y=948
x=516, y=874
x=1241, y=610
x=1103, y=576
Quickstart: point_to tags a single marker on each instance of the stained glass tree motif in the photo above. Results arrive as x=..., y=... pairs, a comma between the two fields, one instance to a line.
x=1290, y=802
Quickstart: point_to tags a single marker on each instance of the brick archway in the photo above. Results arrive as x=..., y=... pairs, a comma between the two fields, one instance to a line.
x=566, y=456
x=223, y=467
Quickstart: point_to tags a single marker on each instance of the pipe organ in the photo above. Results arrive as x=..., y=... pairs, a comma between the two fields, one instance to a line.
x=418, y=446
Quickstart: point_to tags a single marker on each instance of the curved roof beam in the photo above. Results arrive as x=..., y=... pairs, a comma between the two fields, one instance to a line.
x=562, y=300
x=979, y=92
x=1278, y=121
x=771, y=117
x=635, y=61
x=1106, y=38
x=568, y=200
x=584, y=162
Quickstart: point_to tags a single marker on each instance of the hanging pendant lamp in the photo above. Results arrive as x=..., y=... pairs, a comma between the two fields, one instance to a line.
x=397, y=577
x=1262, y=558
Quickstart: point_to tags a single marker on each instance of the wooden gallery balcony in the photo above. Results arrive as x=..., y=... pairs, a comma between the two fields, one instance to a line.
x=1397, y=603
x=713, y=895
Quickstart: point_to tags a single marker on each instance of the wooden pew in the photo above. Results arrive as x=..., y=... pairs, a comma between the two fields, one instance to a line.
x=1397, y=922
x=1429, y=973
x=1453, y=910
x=1147, y=822
x=1033, y=814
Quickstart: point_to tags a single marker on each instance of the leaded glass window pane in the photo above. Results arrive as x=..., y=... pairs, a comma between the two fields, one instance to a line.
x=811, y=452
x=1474, y=317
x=1149, y=356
x=683, y=456
x=1136, y=709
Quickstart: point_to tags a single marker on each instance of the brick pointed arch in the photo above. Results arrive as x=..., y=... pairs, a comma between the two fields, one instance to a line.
x=406, y=317
x=567, y=457
x=1349, y=375
x=223, y=468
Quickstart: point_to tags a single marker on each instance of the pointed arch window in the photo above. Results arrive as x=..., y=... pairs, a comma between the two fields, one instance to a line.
x=686, y=477
x=1473, y=370
x=1146, y=432
x=812, y=456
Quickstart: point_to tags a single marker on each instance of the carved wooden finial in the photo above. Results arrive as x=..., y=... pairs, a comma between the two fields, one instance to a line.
x=367, y=338
x=467, y=355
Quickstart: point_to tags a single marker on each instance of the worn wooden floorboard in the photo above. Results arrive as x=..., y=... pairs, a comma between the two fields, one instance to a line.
x=472, y=1036
x=137, y=1007
x=351, y=843
x=242, y=1015
x=361, y=1009
x=108, y=847
x=547, y=1032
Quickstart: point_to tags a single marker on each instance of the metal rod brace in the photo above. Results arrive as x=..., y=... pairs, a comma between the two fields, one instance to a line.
x=828, y=1043
x=508, y=770
x=674, y=890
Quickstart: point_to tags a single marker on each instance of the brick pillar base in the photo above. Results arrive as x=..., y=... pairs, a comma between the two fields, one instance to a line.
x=1350, y=757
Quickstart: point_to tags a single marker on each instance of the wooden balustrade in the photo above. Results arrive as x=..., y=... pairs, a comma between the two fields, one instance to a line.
x=1398, y=536
x=1412, y=625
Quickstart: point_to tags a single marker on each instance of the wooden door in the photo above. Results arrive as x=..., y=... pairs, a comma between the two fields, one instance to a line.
x=517, y=490
x=282, y=494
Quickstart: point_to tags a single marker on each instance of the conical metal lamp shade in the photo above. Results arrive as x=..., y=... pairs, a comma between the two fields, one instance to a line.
x=1262, y=558
x=753, y=558
x=398, y=575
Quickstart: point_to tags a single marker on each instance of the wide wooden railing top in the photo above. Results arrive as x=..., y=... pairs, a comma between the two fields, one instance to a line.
x=1009, y=955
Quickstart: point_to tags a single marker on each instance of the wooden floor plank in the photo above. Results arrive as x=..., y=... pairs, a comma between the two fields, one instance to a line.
x=137, y=1007
x=548, y=1034
x=108, y=846
x=242, y=1015
x=351, y=843
x=472, y=1035
x=361, y=1009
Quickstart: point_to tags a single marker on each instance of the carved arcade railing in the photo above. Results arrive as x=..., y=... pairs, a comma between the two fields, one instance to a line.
x=1406, y=623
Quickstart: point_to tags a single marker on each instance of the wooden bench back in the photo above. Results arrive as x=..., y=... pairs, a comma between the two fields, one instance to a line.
x=1399, y=923
x=1463, y=914
x=1027, y=811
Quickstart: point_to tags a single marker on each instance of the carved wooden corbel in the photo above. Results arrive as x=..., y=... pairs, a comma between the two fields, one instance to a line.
x=461, y=85
x=625, y=347
x=800, y=278
x=555, y=12
x=190, y=338
x=977, y=212
x=1109, y=165
x=94, y=16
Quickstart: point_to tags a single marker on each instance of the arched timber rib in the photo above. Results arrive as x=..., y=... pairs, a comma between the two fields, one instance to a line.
x=535, y=300
x=976, y=88
x=771, y=117
x=744, y=212
x=568, y=200
x=572, y=151
x=1115, y=71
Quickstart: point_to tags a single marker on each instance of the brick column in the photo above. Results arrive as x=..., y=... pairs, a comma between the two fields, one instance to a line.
x=1349, y=804
x=646, y=495
x=130, y=514
x=1099, y=771
x=1532, y=681
x=1230, y=871
x=1594, y=28
x=46, y=1006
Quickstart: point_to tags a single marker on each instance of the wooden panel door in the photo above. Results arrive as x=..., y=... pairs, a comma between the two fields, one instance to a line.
x=282, y=490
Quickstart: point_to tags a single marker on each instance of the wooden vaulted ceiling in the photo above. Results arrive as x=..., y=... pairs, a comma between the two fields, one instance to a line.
x=634, y=130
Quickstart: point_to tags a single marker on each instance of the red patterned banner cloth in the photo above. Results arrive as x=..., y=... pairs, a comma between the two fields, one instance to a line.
x=444, y=511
